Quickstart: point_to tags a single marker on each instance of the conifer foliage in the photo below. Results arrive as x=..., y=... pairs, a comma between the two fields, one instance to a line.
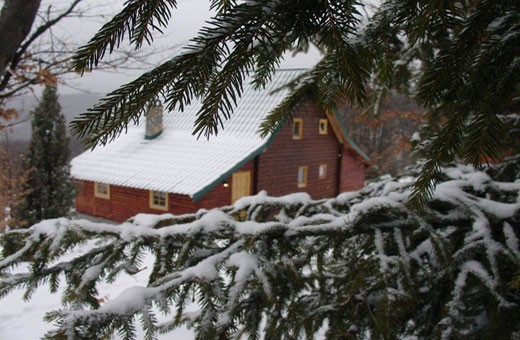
x=460, y=59
x=361, y=265
x=49, y=188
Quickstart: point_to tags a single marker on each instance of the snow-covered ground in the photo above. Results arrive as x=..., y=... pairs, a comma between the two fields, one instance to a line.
x=23, y=320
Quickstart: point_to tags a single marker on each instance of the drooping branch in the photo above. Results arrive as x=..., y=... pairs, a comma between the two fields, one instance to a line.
x=286, y=266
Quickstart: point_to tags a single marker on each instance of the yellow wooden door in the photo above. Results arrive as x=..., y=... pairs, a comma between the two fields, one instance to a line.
x=241, y=185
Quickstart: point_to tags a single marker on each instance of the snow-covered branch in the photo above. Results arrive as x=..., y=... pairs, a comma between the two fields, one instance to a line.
x=290, y=266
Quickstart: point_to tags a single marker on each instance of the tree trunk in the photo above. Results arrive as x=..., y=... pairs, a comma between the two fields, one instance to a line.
x=16, y=19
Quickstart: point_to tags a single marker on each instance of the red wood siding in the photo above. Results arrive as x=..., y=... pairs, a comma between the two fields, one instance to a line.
x=278, y=164
x=126, y=202
x=220, y=196
x=352, y=176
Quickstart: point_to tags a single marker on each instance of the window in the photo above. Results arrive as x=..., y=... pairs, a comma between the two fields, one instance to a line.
x=323, y=126
x=297, y=128
x=302, y=176
x=322, y=171
x=159, y=200
x=102, y=190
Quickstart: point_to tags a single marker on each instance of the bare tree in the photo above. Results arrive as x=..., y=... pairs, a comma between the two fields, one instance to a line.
x=16, y=20
x=12, y=179
x=35, y=53
x=384, y=135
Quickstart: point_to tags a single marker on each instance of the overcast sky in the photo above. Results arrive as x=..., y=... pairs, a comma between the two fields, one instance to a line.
x=186, y=20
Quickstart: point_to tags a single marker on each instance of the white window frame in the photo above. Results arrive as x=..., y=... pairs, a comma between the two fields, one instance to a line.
x=297, y=122
x=323, y=126
x=301, y=177
x=102, y=190
x=322, y=171
x=155, y=200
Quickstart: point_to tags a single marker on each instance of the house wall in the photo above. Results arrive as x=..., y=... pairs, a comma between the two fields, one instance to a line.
x=126, y=202
x=274, y=170
x=352, y=173
x=278, y=164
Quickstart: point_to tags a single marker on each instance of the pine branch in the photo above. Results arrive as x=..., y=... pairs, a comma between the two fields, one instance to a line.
x=111, y=116
x=223, y=92
x=440, y=150
x=346, y=261
x=137, y=19
x=305, y=90
x=245, y=23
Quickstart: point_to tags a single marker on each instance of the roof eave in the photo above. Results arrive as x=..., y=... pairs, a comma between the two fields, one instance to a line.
x=343, y=136
x=199, y=194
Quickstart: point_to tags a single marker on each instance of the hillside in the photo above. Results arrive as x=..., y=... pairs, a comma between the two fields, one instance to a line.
x=71, y=106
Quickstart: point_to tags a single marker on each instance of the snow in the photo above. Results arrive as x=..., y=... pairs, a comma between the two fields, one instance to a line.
x=130, y=293
x=150, y=220
x=20, y=319
x=263, y=198
x=251, y=227
x=130, y=299
x=416, y=137
x=346, y=197
x=207, y=269
x=246, y=264
x=374, y=203
x=383, y=259
x=475, y=268
x=14, y=256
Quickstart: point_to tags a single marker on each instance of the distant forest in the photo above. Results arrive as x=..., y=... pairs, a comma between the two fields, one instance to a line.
x=384, y=132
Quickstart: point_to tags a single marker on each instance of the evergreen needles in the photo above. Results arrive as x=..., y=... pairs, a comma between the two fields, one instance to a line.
x=48, y=191
x=460, y=59
x=291, y=268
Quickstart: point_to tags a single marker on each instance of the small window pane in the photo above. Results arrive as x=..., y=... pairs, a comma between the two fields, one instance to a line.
x=102, y=190
x=159, y=200
x=323, y=126
x=302, y=177
x=322, y=171
x=297, y=128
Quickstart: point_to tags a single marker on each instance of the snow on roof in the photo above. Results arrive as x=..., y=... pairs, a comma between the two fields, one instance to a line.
x=178, y=162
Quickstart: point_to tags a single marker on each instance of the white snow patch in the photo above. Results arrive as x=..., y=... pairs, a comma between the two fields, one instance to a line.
x=150, y=220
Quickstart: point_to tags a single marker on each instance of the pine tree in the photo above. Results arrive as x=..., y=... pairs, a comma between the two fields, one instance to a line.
x=50, y=188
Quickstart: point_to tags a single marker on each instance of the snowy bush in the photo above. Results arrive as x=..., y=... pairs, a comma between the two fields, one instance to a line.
x=361, y=265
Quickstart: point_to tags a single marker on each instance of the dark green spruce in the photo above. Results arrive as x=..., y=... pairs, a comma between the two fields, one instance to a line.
x=49, y=186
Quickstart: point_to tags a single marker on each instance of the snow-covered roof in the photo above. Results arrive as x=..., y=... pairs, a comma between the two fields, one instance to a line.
x=178, y=162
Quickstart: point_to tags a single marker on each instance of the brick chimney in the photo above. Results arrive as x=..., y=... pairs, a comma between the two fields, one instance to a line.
x=154, y=120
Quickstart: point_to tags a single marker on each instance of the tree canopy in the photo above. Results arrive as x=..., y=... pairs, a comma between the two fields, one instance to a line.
x=459, y=58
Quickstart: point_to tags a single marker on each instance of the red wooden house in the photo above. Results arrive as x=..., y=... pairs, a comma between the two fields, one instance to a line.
x=161, y=167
